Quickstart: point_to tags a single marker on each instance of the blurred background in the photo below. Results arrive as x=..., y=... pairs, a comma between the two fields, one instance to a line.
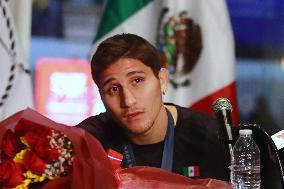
x=63, y=31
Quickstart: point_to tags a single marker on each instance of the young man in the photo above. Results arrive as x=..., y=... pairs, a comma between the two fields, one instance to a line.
x=137, y=124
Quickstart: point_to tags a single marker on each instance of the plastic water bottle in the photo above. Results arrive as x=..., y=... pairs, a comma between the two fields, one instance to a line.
x=245, y=163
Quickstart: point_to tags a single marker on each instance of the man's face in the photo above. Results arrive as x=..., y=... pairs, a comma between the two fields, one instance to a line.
x=133, y=95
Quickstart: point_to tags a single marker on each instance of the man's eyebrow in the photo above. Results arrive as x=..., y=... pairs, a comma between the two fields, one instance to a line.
x=107, y=81
x=134, y=72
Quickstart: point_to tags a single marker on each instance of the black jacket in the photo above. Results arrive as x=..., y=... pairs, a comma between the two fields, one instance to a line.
x=196, y=143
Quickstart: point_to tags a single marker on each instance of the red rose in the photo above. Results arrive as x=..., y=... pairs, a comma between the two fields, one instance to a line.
x=44, y=151
x=11, y=144
x=23, y=126
x=42, y=147
x=10, y=174
x=31, y=131
x=53, y=155
x=33, y=163
x=35, y=134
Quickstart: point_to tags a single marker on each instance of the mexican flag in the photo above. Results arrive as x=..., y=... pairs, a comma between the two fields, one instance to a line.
x=16, y=85
x=194, y=38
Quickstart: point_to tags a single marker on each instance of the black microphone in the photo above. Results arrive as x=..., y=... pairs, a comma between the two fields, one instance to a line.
x=223, y=109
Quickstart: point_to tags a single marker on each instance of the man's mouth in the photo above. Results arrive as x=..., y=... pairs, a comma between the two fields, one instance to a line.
x=133, y=115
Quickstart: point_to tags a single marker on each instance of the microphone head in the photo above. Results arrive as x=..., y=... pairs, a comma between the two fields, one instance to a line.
x=221, y=104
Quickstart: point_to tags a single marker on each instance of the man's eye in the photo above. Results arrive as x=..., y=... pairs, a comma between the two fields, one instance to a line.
x=137, y=81
x=113, y=90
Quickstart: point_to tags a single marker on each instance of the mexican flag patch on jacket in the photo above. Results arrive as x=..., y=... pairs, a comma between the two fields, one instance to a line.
x=191, y=171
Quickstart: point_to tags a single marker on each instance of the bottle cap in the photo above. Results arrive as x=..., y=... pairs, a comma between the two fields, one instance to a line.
x=245, y=132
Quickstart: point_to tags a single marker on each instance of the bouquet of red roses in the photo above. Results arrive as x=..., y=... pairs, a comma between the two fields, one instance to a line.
x=37, y=152
x=33, y=153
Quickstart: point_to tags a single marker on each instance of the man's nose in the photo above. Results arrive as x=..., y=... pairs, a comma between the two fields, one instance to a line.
x=128, y=98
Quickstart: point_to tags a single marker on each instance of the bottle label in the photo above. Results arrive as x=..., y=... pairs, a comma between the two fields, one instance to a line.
x=278, y=139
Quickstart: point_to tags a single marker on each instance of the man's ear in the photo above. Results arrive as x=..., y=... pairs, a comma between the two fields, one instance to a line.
x=164, y=79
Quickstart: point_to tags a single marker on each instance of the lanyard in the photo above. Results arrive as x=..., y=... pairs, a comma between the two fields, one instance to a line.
x=167, y=158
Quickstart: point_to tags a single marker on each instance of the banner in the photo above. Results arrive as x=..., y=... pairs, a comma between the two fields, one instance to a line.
x=195, y=41
x=64, y=90
x=15, y=85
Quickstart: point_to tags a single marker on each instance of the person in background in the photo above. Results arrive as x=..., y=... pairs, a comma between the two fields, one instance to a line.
x=139, y=125
x=262, y=116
